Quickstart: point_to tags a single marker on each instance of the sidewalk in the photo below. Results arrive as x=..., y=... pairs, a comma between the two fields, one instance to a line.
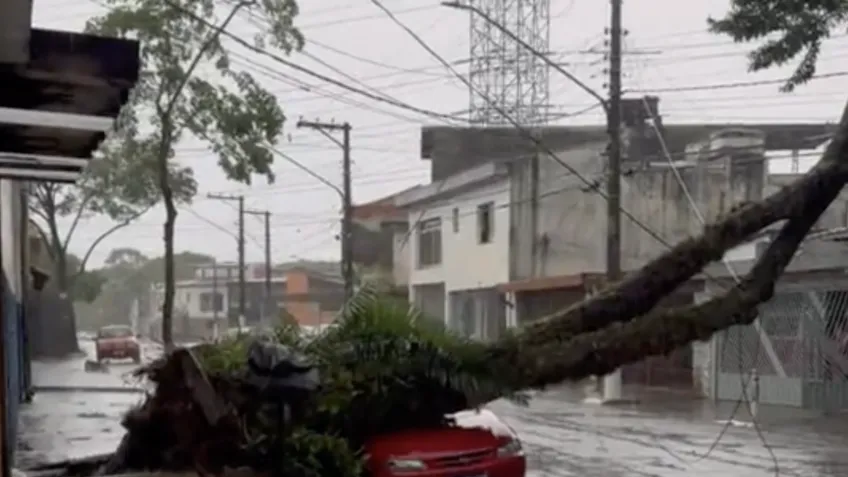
x=75, y=413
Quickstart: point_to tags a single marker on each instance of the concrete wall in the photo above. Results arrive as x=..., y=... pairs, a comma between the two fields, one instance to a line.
x=570, y=235
x=466, y=263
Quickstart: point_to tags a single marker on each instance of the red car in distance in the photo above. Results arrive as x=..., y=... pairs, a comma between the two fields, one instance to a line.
x=479, y=444
x=117, y=342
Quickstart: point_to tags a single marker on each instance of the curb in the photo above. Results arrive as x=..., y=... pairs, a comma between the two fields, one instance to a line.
x=619, y=402
x=88, y=389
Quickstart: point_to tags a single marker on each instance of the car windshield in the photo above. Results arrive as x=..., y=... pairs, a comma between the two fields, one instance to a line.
x=115, y=332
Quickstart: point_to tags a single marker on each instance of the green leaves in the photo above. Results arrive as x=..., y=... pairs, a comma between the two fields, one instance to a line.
x=791, y=28
x=224, y=107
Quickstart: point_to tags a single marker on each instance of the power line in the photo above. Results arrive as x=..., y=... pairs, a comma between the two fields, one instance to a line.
x=737, y=84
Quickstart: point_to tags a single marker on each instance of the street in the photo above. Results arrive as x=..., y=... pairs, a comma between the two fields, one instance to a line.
x=562, y=437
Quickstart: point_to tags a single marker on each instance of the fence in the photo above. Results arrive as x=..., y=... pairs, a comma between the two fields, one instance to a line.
x=797, y=347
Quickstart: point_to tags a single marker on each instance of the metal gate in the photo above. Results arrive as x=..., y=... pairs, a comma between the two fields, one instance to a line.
x=478, y=314
x=797, y=348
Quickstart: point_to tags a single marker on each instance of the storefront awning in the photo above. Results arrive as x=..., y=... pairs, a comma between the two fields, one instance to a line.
x=56, y=110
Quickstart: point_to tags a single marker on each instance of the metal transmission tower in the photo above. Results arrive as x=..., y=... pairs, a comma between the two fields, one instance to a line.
x=502, y=70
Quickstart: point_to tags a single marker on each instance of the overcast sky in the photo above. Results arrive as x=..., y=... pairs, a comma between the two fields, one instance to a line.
x=670, y=49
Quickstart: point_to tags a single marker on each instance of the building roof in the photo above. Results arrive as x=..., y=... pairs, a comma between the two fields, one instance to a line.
x=453, y=149
x=56, y=109
x=485, y=173
x=384, y=209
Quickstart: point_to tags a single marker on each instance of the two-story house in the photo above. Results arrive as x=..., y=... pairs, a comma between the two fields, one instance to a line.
x=459, y=242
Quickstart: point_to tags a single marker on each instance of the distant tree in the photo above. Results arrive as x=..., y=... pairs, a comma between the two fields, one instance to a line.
x=128, y=275
x=787, y=28
x=125, y=256
x=189, y=87
x=120, y=183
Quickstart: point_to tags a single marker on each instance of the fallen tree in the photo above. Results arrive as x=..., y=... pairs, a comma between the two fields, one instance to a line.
x=383, y=369
x=640, y=292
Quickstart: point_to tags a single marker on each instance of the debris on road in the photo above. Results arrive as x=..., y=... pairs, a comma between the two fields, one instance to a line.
x=96, y=366
x=289, y=406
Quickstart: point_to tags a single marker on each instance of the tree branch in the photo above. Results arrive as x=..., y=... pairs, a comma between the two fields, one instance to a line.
x=44, y=239
x=80, y=210
x=37, y=211
x=106, y=234
x=640, y=292
x=663, y=331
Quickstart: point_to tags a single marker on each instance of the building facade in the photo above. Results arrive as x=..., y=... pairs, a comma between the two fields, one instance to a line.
x=459, y=244
x=796, y=352
x=209, y=304
x=553, y=252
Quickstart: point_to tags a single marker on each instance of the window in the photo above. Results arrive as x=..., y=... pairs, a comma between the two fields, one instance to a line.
x=206, y=302
x=455, y=219
x=485, y=222
x=430, y=243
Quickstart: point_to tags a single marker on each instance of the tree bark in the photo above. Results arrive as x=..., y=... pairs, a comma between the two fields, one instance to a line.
x=65, y=334
x=168, y=229
x=600, y=335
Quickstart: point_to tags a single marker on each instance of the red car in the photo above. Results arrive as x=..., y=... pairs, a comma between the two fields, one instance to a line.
x=117, y=342
x=478, y=445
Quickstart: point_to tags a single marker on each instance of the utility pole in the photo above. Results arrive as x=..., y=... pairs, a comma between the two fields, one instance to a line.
x=613, y=381
x=241, y=277
x=266, y=302
x=216, y=331
x=347, y=200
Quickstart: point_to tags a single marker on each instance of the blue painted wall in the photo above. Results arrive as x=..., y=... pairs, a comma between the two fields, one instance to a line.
x=13, y=349
x=12, y=283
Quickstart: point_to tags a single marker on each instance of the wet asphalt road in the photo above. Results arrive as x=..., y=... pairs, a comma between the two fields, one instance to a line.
x=562, y=436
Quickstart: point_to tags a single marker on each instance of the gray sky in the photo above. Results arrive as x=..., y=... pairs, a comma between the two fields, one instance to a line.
x=386, y=139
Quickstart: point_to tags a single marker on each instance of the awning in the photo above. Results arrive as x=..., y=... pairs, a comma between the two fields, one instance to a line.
x=55, y=111
x=556, y=282
x=579, y=281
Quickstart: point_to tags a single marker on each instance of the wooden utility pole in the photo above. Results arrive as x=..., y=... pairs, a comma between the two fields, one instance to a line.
x=266, y=302
x=241, y=277
x=613, y=381
x=347, y=200
x=216, y=326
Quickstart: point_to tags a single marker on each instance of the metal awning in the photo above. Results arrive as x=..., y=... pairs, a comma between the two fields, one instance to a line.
x=56, y=110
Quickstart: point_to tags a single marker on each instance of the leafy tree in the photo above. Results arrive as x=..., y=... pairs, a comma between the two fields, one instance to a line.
x=788, y=28
x=188, y=87
x=119, y=183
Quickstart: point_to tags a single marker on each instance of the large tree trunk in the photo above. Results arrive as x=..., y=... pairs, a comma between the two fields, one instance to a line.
x=64, y=336
x=170, y=219
x=599, y=335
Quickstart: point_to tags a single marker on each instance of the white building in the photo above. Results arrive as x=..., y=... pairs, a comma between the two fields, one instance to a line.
x=197, y=302
x=459, y=248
